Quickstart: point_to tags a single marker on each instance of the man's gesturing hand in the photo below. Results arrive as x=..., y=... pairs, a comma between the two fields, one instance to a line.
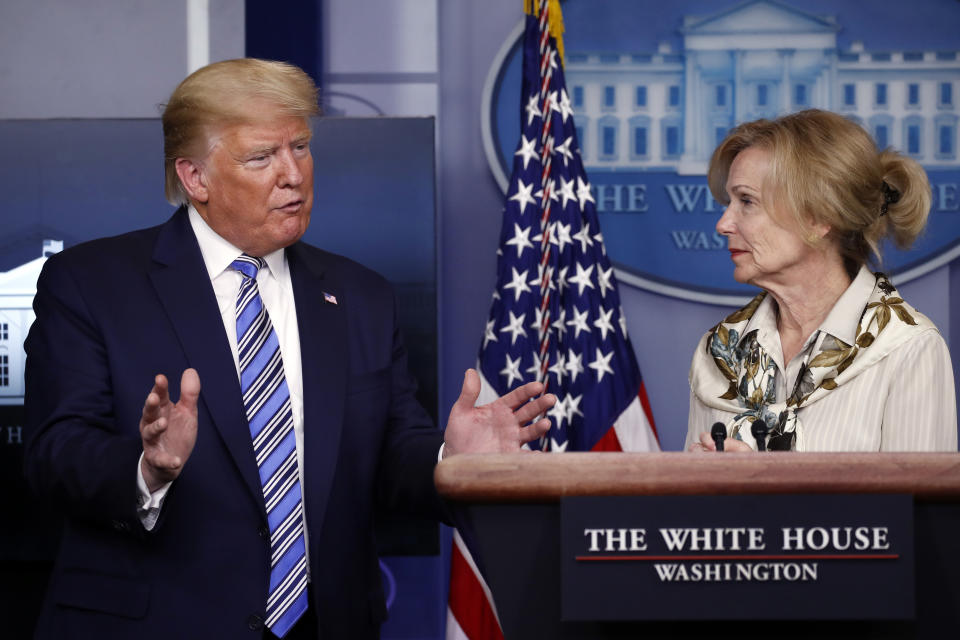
x=497, y=427
x=168, y=429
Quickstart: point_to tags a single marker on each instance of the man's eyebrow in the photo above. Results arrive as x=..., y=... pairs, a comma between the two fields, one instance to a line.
x=259, y=150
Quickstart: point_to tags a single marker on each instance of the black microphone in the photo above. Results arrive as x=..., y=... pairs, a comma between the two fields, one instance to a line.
x=719, y=433
x=759, y=431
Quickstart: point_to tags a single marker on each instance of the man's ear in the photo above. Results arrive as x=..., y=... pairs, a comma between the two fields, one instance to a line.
x=193, y=177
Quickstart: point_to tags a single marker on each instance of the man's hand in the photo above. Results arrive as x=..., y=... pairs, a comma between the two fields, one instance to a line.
x=497, y=427
x=168, y=429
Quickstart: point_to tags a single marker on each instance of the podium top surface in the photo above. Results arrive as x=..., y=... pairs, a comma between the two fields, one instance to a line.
x=544, y=477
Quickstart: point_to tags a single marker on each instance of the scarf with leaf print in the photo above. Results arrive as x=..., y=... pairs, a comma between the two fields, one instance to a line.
x=734, y=373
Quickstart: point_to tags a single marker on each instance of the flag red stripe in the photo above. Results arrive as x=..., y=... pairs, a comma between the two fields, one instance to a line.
x=645, y=403
x=468, y=602
x=609, y=442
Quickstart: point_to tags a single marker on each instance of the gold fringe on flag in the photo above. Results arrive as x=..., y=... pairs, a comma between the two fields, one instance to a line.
x=556, y=21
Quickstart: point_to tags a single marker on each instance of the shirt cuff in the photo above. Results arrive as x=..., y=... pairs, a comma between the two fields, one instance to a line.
x=148, y=504
x=440, y=453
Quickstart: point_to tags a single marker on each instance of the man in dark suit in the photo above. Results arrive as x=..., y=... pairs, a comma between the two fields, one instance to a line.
x=209, y=516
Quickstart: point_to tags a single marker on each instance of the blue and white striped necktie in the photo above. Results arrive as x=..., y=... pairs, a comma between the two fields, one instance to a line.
x=267, y=402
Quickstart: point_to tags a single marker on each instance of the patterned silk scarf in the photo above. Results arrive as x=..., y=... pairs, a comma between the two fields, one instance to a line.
x=733, y=372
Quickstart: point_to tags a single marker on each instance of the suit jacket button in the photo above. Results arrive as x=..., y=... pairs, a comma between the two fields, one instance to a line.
x=264, y=532
x=255, y=622
x=119, y=525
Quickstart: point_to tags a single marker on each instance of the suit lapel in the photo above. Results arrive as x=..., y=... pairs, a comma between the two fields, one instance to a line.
x=180, y=279
x=323, y=353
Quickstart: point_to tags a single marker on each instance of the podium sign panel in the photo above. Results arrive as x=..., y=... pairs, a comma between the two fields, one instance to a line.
x=738, y=557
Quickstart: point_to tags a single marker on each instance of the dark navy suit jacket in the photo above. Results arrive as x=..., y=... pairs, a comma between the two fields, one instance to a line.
x=113, y=313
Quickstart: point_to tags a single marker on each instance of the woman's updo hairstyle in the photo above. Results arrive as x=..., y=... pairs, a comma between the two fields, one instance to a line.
x=827, y=170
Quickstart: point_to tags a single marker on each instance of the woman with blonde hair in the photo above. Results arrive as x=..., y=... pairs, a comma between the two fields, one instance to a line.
x=829, y=357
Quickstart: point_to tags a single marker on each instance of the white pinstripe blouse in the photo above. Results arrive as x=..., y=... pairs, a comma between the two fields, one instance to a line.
x=905, y=402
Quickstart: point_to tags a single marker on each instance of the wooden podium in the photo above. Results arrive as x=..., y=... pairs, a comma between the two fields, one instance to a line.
x=508, y=509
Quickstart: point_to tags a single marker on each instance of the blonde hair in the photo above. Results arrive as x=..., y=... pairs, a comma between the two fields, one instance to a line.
x=826, y=169
x=223, y=93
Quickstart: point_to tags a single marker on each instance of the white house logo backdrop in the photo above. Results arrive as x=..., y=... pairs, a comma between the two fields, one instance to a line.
x=17, y=288
x=656, y=86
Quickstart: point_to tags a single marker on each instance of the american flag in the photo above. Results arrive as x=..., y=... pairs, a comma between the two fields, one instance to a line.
x=556, y=315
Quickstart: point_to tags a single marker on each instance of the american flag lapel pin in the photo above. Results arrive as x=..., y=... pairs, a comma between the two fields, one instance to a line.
x=329, y=297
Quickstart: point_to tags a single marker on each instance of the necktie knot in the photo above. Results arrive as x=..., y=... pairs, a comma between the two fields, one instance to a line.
x=248, y=265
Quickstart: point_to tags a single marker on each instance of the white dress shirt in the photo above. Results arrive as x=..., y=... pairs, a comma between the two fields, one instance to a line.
x=905, y=402
x=276, y=291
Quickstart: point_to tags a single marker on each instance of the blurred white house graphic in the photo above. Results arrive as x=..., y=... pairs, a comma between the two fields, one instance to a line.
x=668, y=109
x=17, y=289
x=654, y=91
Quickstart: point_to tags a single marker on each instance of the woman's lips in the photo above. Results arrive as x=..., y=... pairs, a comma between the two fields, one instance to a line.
x=736, y=252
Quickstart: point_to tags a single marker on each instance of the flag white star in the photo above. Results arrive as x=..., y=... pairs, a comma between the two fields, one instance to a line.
x=561, y=233
x=603, y=322
x=579, y=322
x=558, y=368
x=551, y=193
x=558, y=447
x=534, y=369
x=598, y=238
x=532, y=110
x=511, y=370
x=565, y=110
x=582, y=279
x=537, y=321
x=554, y=101
x=573, y=407
x=623, y=322
x=520, y=239
x=583, y=237
x=583, y=193
x=558, y=412
x=604, y=278
x=515, y=328
x=574, y=364
x=562, y=279
x=523, y=195
x=489, y=336
x=566, y=191
x=601, y=364
x=528, y=149
x=537, y=282
x=553, y=234
x=564, y=150
x=518, y=283
x=539, y=237
x=548, y=146
x=560, y=324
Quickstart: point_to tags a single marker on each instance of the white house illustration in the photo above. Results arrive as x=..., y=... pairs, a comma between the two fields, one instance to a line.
x=667, y=110
x=17, y=289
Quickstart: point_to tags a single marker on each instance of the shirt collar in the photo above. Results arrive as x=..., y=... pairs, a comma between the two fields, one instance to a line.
x=845, y=315
x=218, y=253
x=843, y=318
x=764, y=319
